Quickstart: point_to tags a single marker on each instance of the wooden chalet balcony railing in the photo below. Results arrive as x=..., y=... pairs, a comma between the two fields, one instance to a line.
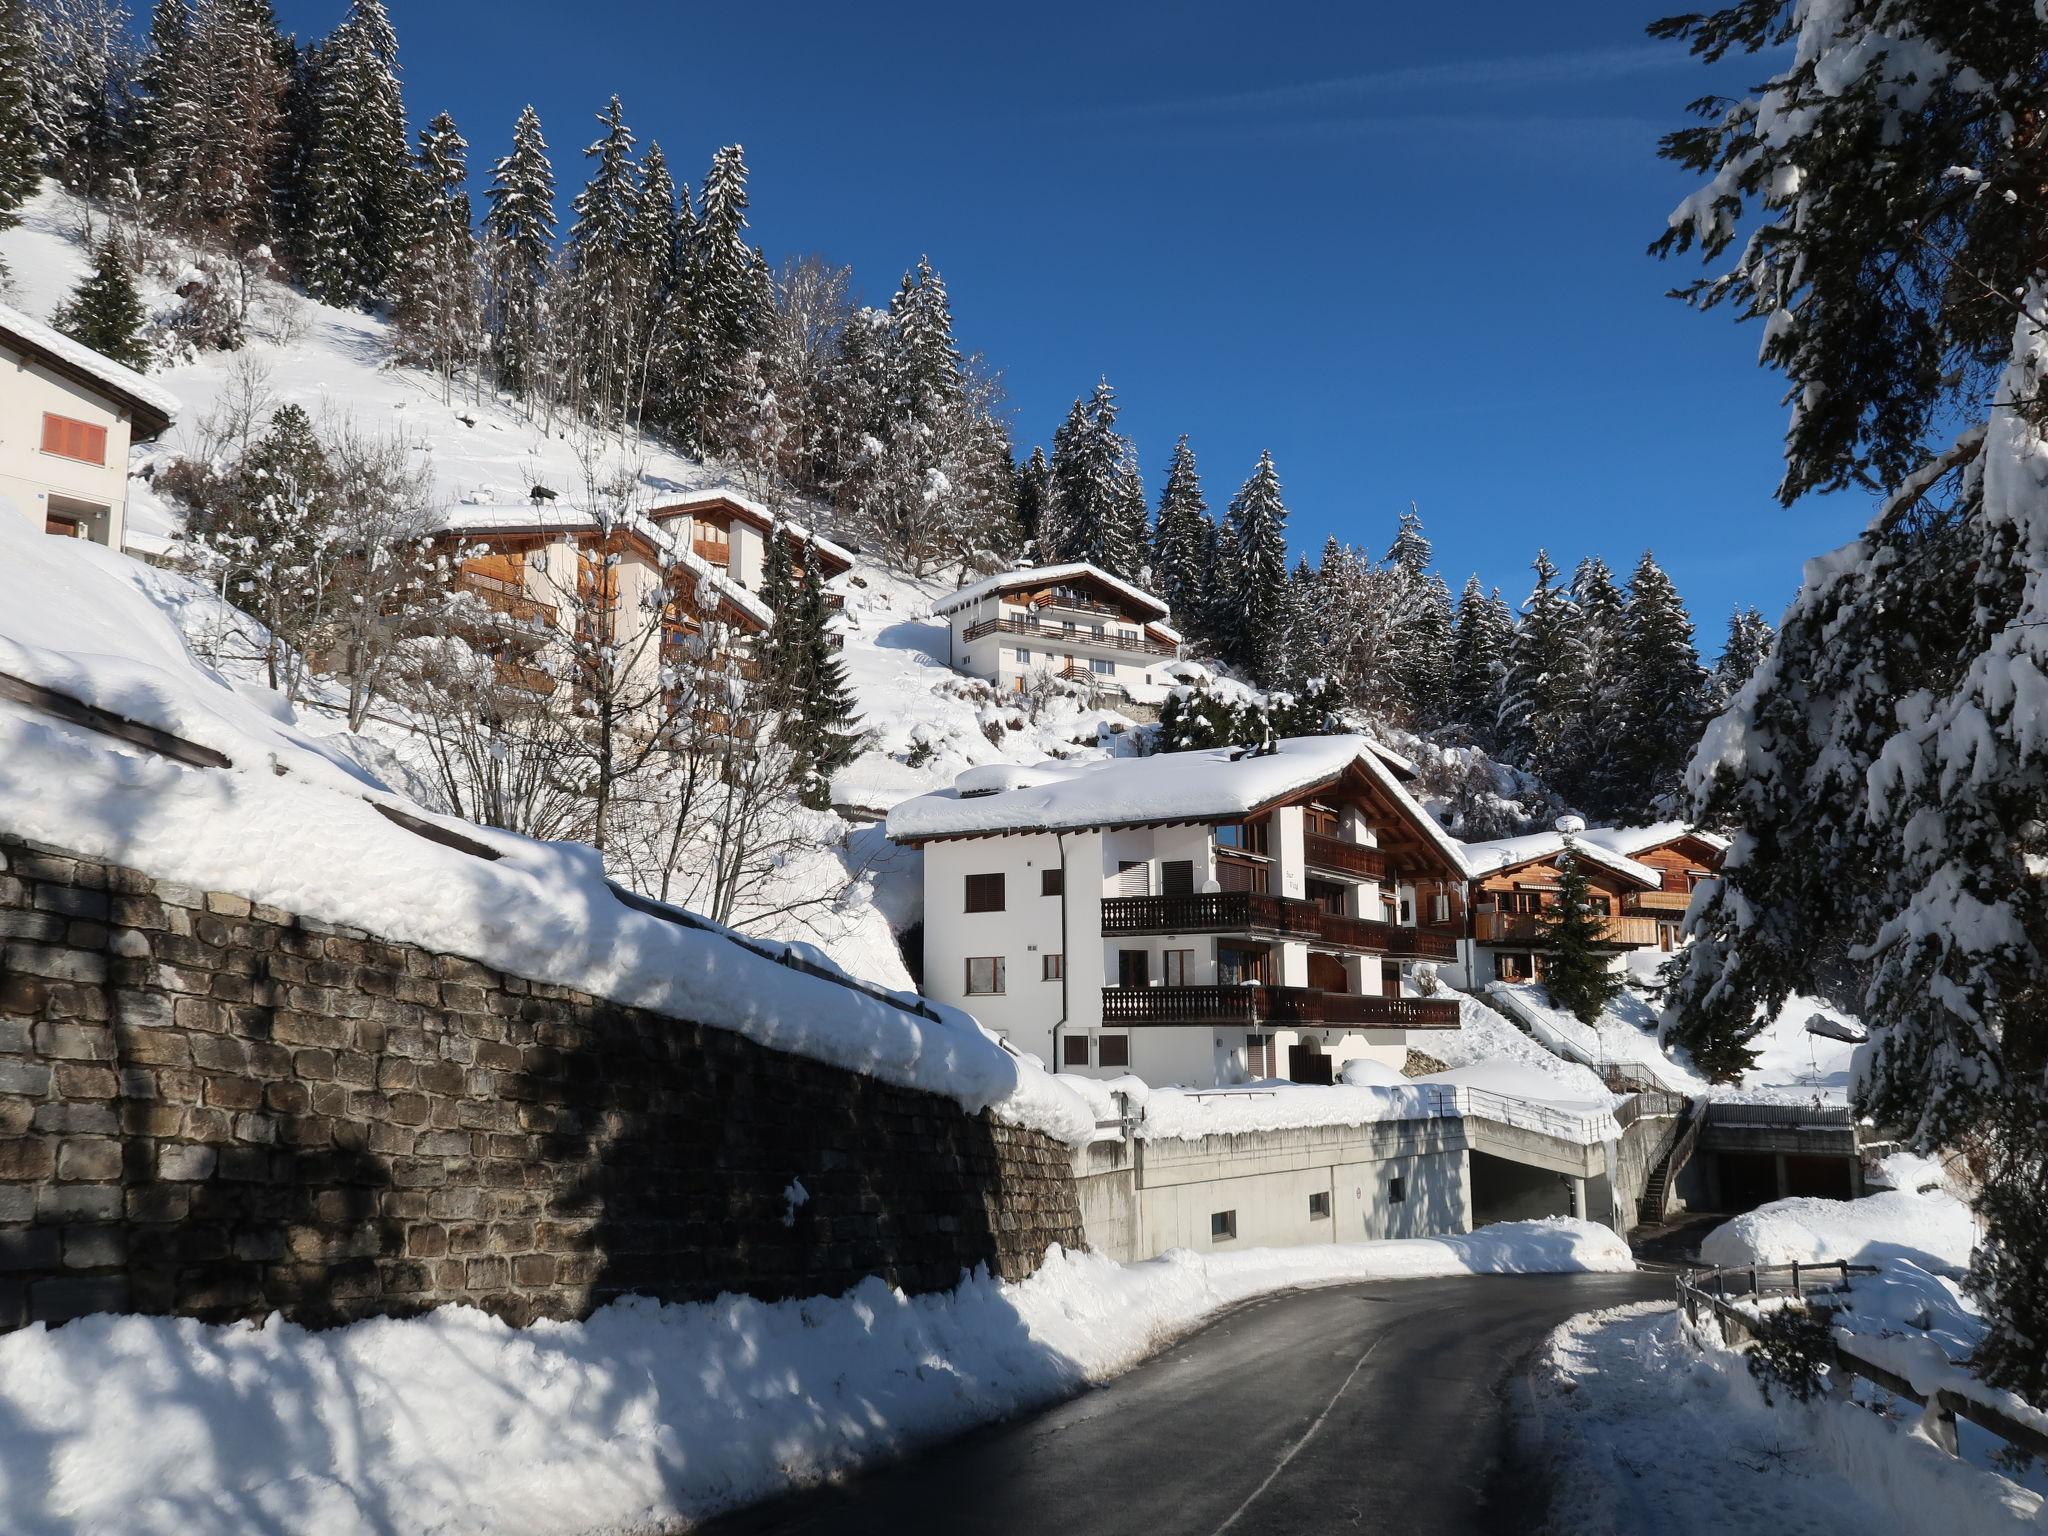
x=1250, y=1005
x=1322, y=851
x=712, y=551
x=1674, y=902
x=1626, y=931
x=1259, y=915
x=503, y=597
x=1030, y=628
x=1068, y=603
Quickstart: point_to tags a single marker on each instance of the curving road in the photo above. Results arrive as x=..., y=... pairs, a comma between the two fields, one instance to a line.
x=1377, y=1407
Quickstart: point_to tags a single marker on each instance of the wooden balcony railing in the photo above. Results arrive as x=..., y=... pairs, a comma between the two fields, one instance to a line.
x=503, y=597
x=712, y=552
x=1068, y=603
x=1250, y=1005
x=1322, y=851
x=1673, y=902
x=1080, y=637
x=1624, y=932
x=1259, y=915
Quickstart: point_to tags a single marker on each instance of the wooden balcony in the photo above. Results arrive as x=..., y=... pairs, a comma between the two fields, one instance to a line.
x=1066, y=602
x=1031, y=629
x=1672, y=902
x=1255, y=914
x=1624, y=932
x=1280, y=1006
x=1343, y=857
x=712, y=551
x=505, y=598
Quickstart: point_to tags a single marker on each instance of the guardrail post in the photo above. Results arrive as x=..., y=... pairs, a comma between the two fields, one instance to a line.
x=1795, y=1277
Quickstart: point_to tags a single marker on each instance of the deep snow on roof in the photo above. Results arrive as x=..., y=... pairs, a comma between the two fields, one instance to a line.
x=1044, y=575
x=117, y=377
x=1630, y=841
x=1213, y=785
x=1503, y=853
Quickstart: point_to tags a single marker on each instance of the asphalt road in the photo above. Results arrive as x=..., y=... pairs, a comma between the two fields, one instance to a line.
x=1358, y=1408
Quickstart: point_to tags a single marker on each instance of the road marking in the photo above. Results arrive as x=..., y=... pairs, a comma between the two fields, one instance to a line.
x=1306, y=1436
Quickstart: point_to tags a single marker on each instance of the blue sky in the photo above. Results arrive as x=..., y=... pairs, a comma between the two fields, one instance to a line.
x=1403, y=248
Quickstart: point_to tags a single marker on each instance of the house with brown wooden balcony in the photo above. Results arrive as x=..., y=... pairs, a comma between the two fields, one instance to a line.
x=1076, y=623
x=1643, y=877
x=549, y=581
x=1192, y=917
x=729, y=532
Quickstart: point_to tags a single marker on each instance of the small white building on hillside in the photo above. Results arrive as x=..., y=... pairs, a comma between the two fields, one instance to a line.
x=67, y=418
x=1193, y=917
x=1076, y=622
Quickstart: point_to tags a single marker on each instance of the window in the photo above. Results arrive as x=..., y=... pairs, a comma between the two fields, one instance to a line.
x=1235, y=966
x=1407, y=913
x=1513, y=967
x=1222, y=1226
x=1258, y=1055
x=69, y=439
x=1244, y=836
x=1133, y=968
x=1177, y=877
x=1055, y=967
x=1052, y=882
x=1236, y=874
x=1101, y=666
x=1113, y=1050
x=1527, y=903
x=1397, y=1190
x=1023, y=657
x=1133, y=877
x=986, y=976
x=1177, y=963
x=1074, y=1051
x=1319, y=1205
x=1319, y=820
x=1440, y=907
x=984, y=893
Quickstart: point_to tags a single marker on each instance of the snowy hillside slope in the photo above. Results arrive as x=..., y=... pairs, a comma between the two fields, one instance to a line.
x=294, y=821
x=925, y=722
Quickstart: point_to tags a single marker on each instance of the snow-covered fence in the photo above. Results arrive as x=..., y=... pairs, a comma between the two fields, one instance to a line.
x=1706, y=1294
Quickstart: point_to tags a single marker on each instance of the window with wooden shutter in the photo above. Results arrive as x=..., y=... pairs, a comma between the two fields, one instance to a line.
x=1177, y=877
x=984, y=893
x=68, y=439
x=1052, y=882
x=1074, y=1051
x=1113, y=1050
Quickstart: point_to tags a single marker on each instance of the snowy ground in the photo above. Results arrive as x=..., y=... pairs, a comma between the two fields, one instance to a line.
x=643, y=1416
x=1646, y=1432
x=1794, y=1065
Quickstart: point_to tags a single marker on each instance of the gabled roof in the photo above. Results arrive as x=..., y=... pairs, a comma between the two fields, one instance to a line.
x=1505, y=853
x=1222, y=784
x=1631, y=841
x=1050, y=575
x=747, y=510
x=152, y=406
x=554, y=521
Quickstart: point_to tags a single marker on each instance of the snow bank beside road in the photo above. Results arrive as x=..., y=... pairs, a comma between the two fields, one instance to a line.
x=1705, y=1456
x=641, y=1417
x=1934, y=1230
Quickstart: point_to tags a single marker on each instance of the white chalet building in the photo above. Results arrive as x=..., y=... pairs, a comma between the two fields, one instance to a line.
x=1192, y=917
x=67, y=417
x=1075, y=622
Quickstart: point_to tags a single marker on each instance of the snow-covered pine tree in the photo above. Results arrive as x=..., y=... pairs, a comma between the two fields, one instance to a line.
x=1546, y=676
x=1749, y=641
x=780, y=593
x=1478, y=663
x=21, y=147
x=1183, y=541
x=1661, y=705
x=1411, y=550
x=1428, y=657
x=104, y=312
x=728, y=303
x=656, y=244
x=818, y=721
x=85, y=78
x=357, y=201
x=519, y=233
x=1257, y=518
x=1578, y=972
x=438, y=311
x=601, y=308
x=1876, y=202
x=1034, y=490
x=1590, y=766
x=1098, y=503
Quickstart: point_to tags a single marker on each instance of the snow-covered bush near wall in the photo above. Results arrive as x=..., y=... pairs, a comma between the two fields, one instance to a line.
x=1934, y=1230
x=643, y=1416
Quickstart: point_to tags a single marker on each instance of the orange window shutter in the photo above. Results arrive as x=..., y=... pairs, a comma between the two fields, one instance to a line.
x=70, y=439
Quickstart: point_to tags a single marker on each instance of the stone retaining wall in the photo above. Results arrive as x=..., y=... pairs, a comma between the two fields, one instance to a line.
x=219, y=1110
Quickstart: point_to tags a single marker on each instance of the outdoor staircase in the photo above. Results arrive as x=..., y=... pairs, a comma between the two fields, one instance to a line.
x=1656, y=1200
